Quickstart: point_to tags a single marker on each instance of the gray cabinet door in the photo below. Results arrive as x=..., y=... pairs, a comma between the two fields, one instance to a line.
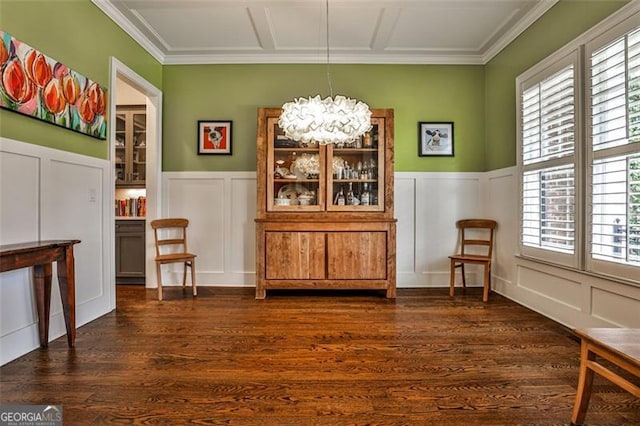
x=130, y=251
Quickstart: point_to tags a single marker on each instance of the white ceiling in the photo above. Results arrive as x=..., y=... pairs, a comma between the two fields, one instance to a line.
x=294, y=31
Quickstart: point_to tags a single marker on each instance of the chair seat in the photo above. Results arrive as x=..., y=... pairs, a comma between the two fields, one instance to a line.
x=470, y=258
x=175, y=257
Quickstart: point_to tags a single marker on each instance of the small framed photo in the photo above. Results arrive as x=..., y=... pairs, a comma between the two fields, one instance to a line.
x=214, y=137
x=435, y=139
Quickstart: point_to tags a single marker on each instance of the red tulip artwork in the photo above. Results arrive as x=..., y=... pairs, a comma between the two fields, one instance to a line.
x=33, y=84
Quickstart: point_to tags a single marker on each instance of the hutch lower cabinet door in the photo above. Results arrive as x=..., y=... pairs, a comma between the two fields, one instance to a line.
x=357, y=255
x=295, y=255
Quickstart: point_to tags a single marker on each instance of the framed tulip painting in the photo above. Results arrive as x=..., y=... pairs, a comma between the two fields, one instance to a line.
x=214, y=137
x=35, y=85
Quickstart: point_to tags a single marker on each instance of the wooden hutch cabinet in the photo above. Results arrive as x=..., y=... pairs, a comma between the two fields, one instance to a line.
x=325, y=212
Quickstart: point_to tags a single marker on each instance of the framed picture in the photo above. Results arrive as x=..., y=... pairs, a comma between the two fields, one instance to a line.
x=214, y=137
x=435, y=139
x=40, y=87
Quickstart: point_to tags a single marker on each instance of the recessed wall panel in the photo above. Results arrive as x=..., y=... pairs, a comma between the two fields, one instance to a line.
x=618, y=309
x=201, y=200
x=73, y=209
x=404, y=201
x=242, y=226
x=502, y=206
x=441, y=200
x=549, y=286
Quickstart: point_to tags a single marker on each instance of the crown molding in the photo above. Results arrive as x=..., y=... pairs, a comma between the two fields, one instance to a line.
x=381, y=59
x=539, y=10
x=121, y=20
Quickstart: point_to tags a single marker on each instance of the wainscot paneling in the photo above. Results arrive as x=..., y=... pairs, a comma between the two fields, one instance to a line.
x=221, y=206
x=573, y=298
x=51, y=194
x=427, y=206
x=221, y=209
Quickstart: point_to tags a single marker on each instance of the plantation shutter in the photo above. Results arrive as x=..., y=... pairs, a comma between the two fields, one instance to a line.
x=615, y=133
x=547, y=150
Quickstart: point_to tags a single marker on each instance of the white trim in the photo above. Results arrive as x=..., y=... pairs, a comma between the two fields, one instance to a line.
x=336, y=58
x=539, y=9
x=120, y=20
x=154, y=158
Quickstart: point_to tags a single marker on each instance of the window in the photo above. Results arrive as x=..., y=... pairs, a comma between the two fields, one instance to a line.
x=557, y=164
x=614, y=153
x=547, y=128
x=616, y=209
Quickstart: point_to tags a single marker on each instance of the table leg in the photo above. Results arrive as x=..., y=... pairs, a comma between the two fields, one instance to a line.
x=42, y=284
x=67, y=283
x=585, y=382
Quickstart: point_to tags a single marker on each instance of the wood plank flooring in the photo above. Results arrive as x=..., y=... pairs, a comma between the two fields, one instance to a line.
x=314, y=358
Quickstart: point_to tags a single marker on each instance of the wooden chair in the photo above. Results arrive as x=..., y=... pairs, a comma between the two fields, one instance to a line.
x=468, y=254
x=172, y=234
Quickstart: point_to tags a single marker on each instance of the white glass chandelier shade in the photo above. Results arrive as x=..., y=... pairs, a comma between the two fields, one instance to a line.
x=328, y=120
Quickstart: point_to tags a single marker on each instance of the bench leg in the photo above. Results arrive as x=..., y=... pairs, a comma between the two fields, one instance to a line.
x=42, y=283
x=585, y=382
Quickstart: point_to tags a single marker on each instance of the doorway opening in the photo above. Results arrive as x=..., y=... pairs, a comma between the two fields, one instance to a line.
x=135, y=152
x=130, y=186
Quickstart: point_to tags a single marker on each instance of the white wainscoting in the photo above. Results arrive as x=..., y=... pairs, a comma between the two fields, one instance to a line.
x=572, y=298
x=51, y=194
x=427, y=206
x=221, y=208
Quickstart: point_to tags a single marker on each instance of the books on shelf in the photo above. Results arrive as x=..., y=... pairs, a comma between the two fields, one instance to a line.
x=131, y=207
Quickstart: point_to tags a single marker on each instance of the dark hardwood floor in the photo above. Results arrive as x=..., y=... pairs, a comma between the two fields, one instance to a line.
x=324, y=358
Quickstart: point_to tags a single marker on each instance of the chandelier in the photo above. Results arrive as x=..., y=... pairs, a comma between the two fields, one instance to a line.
x=328, y=120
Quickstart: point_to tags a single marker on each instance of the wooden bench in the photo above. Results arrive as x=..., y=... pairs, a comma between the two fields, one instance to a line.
x=619, y=346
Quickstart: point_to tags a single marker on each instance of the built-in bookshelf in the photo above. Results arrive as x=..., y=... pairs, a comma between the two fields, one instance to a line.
x=130, y=203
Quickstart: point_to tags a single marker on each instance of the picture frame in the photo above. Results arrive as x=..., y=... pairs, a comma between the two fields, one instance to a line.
x=435, y=139
x=40, y=87
x=214, y=137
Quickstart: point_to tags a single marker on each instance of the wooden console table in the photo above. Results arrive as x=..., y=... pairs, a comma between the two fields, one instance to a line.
x=619, y=346
x=40, y=255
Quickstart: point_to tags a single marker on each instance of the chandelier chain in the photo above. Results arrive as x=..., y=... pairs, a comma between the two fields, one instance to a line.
x=325, y=121
x=328, y=62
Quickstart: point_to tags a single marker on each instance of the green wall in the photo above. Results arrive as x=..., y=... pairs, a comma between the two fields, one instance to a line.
x=561, y=24
x=235, y=92
x=81, y=36
x=480, y=100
